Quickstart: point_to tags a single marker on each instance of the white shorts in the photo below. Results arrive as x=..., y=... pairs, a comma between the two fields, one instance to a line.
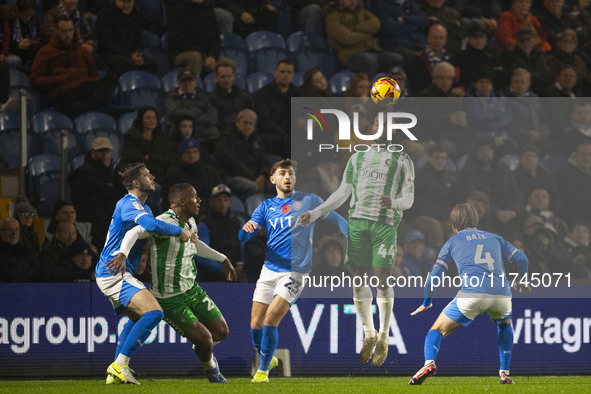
x=287, y=285
x=465, y=307
x=119, y=290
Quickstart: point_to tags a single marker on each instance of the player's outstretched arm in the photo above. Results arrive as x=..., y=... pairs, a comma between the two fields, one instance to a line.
x=333, y=202
x=206, y=251
x=160, y=227
x=430, y=287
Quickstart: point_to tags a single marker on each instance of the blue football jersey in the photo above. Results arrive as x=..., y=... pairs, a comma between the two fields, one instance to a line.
x=127, y=211
x=289, y=247
x=478, y=254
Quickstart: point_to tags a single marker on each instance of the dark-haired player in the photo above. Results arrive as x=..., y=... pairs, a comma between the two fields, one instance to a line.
x=115, y=278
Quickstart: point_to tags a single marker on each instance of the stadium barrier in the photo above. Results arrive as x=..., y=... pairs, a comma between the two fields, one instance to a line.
x=70, y=329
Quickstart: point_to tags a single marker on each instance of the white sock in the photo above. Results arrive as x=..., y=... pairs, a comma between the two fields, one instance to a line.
x=122, y=360
x=428, y=362
x=363, y=298
x=385, y=301
x=504, y=370
x=207, y=365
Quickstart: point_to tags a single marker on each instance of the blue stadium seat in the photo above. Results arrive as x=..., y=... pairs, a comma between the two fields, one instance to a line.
x=254, y=201
x=264, y=39
x=9, y=146
x=150, y=40
x=45, y=180
x=266, y=59
x=51, y=120
x=298, y=79
x=147, y=96
x=554, y=163
x=91, y=125
x=209, y=82
x=136, y=80
x=164, y=40
x=232, y=40
x=49, y=125
x=77, y=162
x=239, y=56
x=301, y=40
x=9, y=121
x=236, y=206
x=306, y=59
x=126, y=121
x=19, y=79
x=240, y=81
x=340, y=82
x=255, y=81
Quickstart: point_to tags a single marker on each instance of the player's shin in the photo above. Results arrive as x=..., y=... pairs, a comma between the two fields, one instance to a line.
x=432, y=345
x=123, y=336
x=363, y=298
x=138, y=335
x=385, y=301
x=268, y=345
x=256, y=335
x=505, y=342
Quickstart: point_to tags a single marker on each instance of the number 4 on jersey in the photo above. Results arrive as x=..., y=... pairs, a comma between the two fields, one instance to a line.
x=487, y=259
x=382, y=251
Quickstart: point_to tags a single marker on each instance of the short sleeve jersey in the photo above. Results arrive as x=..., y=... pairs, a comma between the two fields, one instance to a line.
x=127, y=211
x=479, y=256
x=289, y=246
x=373, y=174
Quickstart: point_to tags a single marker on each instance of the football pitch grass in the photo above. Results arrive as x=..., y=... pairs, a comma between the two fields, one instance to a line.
x=351, y=385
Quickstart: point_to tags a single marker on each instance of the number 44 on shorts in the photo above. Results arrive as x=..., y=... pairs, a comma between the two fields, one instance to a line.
x=382, y=251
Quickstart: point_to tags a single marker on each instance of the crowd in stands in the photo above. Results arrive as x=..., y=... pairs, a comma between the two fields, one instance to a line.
x=203, y=124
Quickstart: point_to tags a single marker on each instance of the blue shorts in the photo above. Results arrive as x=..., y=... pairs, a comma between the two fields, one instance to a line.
x=119, y=290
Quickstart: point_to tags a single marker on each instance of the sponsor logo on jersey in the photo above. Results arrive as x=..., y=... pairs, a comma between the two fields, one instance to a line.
x=138, y=205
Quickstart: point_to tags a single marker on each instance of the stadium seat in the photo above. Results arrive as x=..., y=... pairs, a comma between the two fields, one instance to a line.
x=19, y=79
x=9, y=146
x=49, y=126
x=77, y=162
x=512, y=160
x=265, y=59
x=147, y=96
x=45, y=181
x=126, y=121
x=298, y=79
x=209, y=82
x=9, y=121
x=239, y=81
x=340, y=82
x=136, y=80
x=239, y=56
x=264, y=39
x=164, y=40
x=254, y=201
x=306, y=59
x=236, y=206
x=553, y=164
x=232, y=40
x=302, y=40
x=255, y=81
x=51, y=120
x=150, y=6
x=91, y=125
x=150, y=40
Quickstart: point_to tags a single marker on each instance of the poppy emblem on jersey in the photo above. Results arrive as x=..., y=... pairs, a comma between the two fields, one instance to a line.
x=138, y=205
x=297, y=205
x=285, y=209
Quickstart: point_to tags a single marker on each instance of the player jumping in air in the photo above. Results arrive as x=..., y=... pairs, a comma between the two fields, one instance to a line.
x=187, y=307
x=477, y=254
x=115, y=278
x=287, y=263
x=382, y=186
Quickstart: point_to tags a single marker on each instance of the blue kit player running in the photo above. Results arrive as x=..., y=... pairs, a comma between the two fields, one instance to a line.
x=288, y=260
x=479, y=258
x=115, y=278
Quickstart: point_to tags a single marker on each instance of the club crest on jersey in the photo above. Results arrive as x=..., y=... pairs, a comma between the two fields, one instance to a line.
x=297, y=205
x=285, y=209
x=138, y=205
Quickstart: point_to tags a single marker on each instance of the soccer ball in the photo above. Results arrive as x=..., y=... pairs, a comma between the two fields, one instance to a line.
x=385, y=91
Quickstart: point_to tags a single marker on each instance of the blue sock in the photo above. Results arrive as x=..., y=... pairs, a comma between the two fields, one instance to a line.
x=505, y=342
x=140, y=332
x=123, y=336
x=432, y=344
x=256, y=336
x=268, y=346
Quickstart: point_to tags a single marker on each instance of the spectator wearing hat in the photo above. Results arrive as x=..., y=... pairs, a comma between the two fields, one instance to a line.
x=475, y=57
x=530, y=175
x=434, y=197
x=574, y=184
x=228, y=98
x=25, y=214
x=145, y=142
x=219, y=230
x=553, y=20
x=95, y=189
x=242, y=157
x=512, y=21
x=484, y=172
x=480, y=201
x=191, y=169
x=65, y=258
x=18, y=263
x=331, y=257
x=526, y=55
x=414, y=262
x=186, y=100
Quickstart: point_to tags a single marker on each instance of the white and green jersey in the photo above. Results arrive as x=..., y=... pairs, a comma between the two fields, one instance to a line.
x=172, y=260
x=375, y=173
